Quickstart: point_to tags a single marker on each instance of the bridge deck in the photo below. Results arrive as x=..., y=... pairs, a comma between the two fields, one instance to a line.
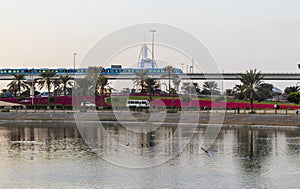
x=193, y=76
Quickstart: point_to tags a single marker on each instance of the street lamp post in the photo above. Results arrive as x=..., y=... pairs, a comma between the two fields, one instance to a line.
x=153, y=31
x=192, y=65
x=223, y=82
x=74, y=54
x=32, y=88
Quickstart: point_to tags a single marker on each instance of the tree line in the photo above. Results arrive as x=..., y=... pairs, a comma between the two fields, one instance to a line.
x=251, y=87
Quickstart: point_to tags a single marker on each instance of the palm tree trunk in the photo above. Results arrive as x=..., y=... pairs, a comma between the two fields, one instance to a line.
x=102, y=100
x=169, y=83
x=251, y=101
x=172, y=101
x=19, y=89
x=48, y=94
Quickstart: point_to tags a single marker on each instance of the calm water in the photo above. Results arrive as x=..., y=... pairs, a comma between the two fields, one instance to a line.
x=57, y=157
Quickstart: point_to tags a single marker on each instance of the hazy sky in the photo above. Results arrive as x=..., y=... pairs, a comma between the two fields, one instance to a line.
x=241, y=34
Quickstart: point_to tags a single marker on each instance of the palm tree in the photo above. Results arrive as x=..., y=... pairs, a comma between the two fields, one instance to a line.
x=210, y=87
x=173, y=93
x=47, y=79
x=291, y=89
x=151, y=86
x=13, y=89
x=169, y=73
x=251, y=80
x=197, y=88
x=4, y=92
x=140, y=78
x=238, y=91
x=102, y=82
x=84, y=87
x=18, y=83
x=65, y=81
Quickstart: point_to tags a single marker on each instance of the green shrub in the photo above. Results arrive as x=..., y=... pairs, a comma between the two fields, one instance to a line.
x=68, y=107
x=59, y=107
x=171, y=110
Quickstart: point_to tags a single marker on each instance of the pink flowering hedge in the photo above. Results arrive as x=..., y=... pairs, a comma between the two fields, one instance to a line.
x=67, y=101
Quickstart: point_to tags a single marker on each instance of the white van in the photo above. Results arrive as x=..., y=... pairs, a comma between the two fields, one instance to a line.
x=88, y=104
x=138, y=103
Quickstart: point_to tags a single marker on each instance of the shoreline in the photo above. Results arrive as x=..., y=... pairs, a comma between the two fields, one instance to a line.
x=230, y=120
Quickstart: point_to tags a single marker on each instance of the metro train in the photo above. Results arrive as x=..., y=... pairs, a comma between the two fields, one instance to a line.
x=64, y=71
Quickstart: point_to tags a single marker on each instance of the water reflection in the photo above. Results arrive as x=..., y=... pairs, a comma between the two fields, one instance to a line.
x=241, y=157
